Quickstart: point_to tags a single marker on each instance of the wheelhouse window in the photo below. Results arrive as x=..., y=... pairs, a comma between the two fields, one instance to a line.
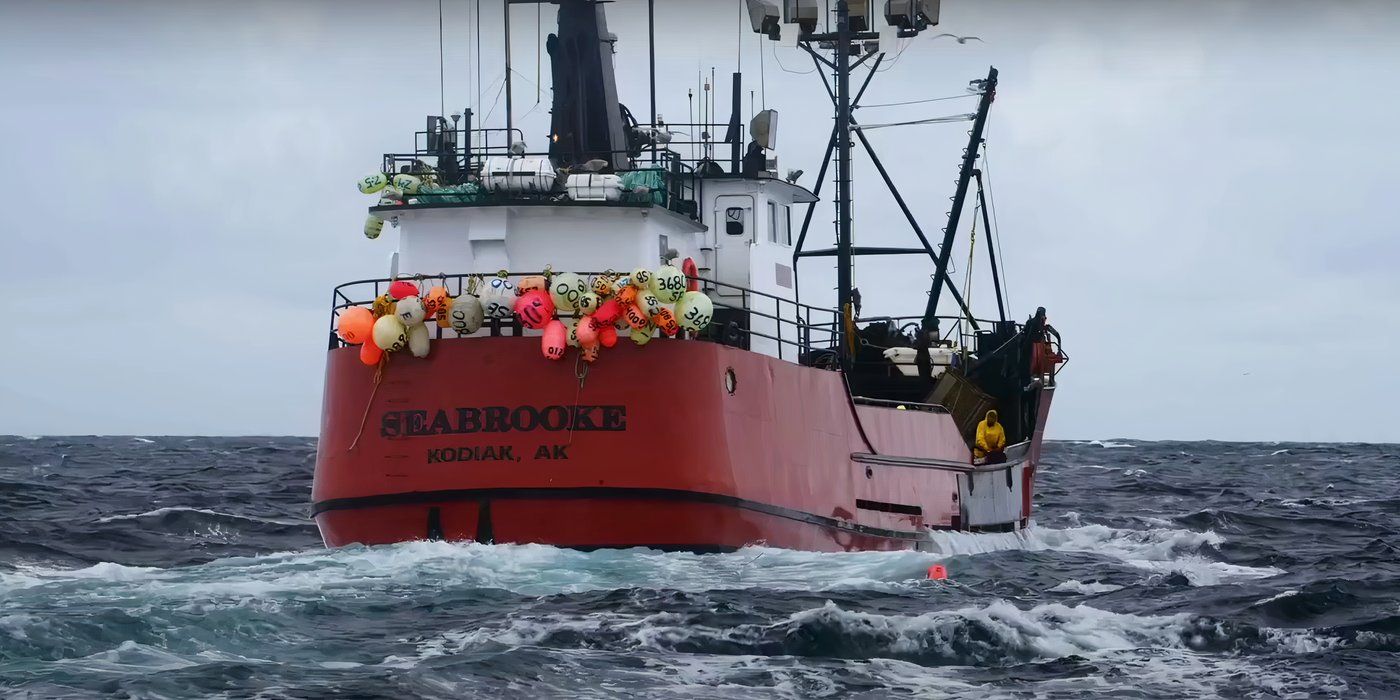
x=779, y=224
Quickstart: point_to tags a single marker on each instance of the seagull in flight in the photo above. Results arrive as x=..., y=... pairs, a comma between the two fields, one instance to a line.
x=960, y=39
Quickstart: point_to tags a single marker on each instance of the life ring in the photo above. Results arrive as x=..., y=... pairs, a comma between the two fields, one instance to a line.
x=692, y=275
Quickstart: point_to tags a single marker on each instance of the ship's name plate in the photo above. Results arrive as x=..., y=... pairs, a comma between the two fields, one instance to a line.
x=502, y=419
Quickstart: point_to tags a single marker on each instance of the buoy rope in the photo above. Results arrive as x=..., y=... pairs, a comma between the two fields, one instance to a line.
x=378, y=374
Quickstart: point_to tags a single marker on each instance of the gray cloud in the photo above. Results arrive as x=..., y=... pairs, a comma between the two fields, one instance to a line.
x=1197, y=191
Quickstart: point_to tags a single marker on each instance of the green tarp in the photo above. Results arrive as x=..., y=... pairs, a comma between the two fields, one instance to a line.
x=466, y=193
x=651, y=178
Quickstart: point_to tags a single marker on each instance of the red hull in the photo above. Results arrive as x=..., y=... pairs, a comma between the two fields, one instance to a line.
x=487, y=440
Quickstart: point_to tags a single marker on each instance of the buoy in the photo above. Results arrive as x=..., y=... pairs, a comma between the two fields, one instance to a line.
x=665, y=320
x=535, y=309
x=649, y=303
x=408, y=183
x=410, y=310
x=640, y=278
x=588, y=302
x=467, y=314
x=370, y=354
x=403, y=288
x=355, y=325
x=566, y=288
x=695, y=311
x=937, y=572
x=370, y=184
x=533, y=282
x=627, y=295
x=390, y=334
x=437, y=302
x=571, y=330
x=608, y=312
x=587, y=332
x=668, y=284
x=636, y=317
x=603, y=285
x=640, y=336
x=607, y=336
x=552, y=343
x=499, y=298
x=373, y=226
x=418, y=340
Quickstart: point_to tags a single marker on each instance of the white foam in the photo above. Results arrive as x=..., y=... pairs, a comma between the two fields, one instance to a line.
x=204, y=511
x=1081, y=588
x=143, y=440
x=1107, y=444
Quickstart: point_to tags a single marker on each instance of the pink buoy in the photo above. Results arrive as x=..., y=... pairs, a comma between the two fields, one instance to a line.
x=587, y=333
x=535, y=309
x=608, y=312
x=607, y=337
x=554, y=340
x=937, y=572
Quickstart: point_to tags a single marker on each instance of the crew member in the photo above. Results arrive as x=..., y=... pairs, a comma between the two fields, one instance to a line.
x=991, y=440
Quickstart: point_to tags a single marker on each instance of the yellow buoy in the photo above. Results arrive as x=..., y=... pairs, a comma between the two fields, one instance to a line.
x=668, y=284
x=411, y=311
x=390, y=334
x=467, y=314
x=641, y=337
x=418, y=340
x=373, y=227
x=370, y=184
x=567, y=289
x=408, y=183
x=694, y=311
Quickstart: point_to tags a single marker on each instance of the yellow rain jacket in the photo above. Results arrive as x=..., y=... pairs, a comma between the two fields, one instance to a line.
x=990, y=436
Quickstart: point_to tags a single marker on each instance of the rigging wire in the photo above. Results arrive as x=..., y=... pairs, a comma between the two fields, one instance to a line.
x=442, y=69
x=919, y=102
x=931, y=120
x=779, y=61
x=992, y=207
x=499, y=91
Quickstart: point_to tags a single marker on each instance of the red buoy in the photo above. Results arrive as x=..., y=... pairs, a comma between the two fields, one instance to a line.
x=937, y=572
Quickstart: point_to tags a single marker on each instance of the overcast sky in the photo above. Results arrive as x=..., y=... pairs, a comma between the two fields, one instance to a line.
x=1200, y=193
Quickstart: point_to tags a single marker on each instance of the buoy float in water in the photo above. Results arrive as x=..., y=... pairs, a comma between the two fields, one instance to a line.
x=937, y=572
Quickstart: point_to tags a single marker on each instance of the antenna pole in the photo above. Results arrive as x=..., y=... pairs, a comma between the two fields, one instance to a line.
x=843, y=170
x=510, y=111
x=974, y=144
x=651, y=51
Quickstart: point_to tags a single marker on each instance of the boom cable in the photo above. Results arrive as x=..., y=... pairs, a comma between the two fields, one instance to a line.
x=442, y=69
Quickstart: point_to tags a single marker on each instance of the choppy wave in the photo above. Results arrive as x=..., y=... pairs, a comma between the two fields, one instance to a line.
x=1167, y=570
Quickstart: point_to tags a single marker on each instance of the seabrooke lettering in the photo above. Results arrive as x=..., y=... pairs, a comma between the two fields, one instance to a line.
x=502, y=419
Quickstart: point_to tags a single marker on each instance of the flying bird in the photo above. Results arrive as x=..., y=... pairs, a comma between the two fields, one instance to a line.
x=960, y=39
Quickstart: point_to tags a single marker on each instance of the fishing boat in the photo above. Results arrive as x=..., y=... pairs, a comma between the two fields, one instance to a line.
x=603, y=344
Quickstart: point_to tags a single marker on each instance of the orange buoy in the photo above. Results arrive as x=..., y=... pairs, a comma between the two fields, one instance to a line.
x=436, y=303
x=627, y=296
x=587, y=333
x=355, y=325
x=370, y=354
x=665, y=319
x=532, y=283
x=636, y=317
x=937, y=572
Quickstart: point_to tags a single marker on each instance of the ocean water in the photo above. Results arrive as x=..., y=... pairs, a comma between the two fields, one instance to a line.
x=187, y=567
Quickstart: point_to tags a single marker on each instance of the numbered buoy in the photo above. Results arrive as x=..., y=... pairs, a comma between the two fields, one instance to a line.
x=408, y=183
x=641, y=337
x=627, y=295
x=499, y=298
x=533, y=282
x=373, y=226
x=566, y=288
x=535, y=309
x=571, y=328
x=370, y=354
x=665, y=320
x=649, y=303
x=640, y=278
x=668, y=284
x=437, y=302
x=370, y=184
x=553, y=341
x=410, y=310
x=355, y=325
x=587, y=332
x=418, y=340
x=466, y=314
x=403, y=288
x=390, y=334
x=695, y=311
x=588, y=303
x=608, y=312
x=603, y=285
x=636, y=317
x=607, y=336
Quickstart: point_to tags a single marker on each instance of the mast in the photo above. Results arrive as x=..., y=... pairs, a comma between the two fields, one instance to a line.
x=974, y=143
x=843, y=167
